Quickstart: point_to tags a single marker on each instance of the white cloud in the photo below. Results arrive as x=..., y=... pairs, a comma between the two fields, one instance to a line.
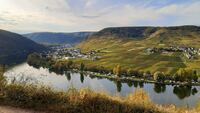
x=58, y=15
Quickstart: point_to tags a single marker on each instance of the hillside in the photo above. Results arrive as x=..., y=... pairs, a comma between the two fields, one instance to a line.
x=128, y=47
x=58, y=38
x=14, y=48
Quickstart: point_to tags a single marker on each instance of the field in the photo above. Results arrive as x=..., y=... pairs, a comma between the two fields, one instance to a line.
x=130, y=53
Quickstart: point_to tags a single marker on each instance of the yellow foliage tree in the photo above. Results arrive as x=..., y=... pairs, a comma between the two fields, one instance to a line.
x=117, y=70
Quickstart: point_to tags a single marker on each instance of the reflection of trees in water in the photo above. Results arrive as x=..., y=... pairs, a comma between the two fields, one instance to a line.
x=135, y=84
x=159, y=88
x=184, y=91
x=81, y=77
x=68, y=75
x=56, y=71
x=130, y=84
x=141, y=84
x=194, y=91
x=119, y=86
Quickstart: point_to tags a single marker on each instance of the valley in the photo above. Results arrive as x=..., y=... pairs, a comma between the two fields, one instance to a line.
x=99, y=56
x=160, y=59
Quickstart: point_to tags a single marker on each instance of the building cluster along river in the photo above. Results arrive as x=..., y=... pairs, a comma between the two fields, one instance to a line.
x=185, y=96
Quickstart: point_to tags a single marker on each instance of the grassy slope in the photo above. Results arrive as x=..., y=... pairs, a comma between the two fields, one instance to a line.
x=131, y=53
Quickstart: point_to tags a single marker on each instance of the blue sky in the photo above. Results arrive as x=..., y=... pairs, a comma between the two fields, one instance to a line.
x=24, y=16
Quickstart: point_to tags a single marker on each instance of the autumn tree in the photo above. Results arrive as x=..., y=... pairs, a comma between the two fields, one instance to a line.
x=129, y=72
x=117, y=70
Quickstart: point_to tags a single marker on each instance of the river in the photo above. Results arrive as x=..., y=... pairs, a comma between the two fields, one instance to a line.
x=161, y=94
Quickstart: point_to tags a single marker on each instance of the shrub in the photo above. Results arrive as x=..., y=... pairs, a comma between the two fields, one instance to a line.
x=158, y=76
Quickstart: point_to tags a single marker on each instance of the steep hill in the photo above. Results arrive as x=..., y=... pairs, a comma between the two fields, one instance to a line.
x=128, y=47
x=58, y=38
x=14, y=48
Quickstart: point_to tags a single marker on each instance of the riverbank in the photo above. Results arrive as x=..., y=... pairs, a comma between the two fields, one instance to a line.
x=133, y=79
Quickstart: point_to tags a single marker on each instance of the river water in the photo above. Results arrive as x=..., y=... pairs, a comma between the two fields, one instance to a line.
x=161, y=94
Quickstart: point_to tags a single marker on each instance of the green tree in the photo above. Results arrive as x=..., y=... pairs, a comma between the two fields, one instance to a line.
x=195, y=76
x=147, y=74
x=159, y=76
x=82, y=67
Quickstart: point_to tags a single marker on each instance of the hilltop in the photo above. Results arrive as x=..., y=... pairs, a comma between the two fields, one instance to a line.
x=58, y=38
x=14, y=48
x=128, y=46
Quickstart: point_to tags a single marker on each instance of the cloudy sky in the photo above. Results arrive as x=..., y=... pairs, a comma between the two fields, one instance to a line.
x=24, y=16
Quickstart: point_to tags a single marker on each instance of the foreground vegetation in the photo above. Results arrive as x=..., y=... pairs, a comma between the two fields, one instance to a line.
x=83, y=101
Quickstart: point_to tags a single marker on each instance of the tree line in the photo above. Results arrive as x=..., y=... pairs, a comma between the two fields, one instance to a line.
x=182, y=75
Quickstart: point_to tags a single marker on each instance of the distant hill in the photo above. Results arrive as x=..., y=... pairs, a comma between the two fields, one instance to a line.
x=147, y=32
x=127, y=46
x=14, y=48
x=58, y=38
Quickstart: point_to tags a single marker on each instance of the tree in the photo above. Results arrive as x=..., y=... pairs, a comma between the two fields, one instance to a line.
x=158, y=76
x=186, y=75
x=147, y=74
x=82, y=67
x=117, y=70
x=129, y=72
x=181, y=75
x=69, y=64
x=195, y=76
x=140, y=73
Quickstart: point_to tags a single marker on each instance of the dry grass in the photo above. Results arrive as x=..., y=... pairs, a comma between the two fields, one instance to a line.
x=83, y=101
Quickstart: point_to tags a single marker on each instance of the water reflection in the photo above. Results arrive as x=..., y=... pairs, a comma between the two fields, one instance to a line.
x=135, y=84
x=184, y=91
x=81, y=77
x=130, y=84
x=118, y=85
x=159, y=88
x=141, y=84
x=68, y=75
x=161, y=94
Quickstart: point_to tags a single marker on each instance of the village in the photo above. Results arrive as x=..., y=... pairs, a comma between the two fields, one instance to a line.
x=66, y=52
x=189, y=52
